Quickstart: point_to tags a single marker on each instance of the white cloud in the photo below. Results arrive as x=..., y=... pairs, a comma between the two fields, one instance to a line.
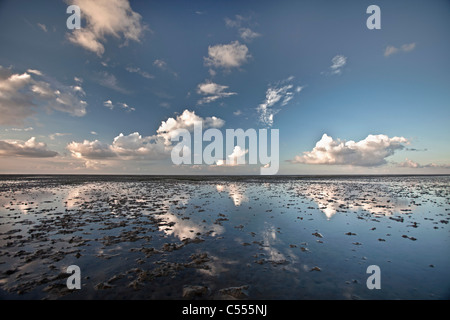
x=227, y=56
x=242, y=23
x=43, y=89
x=247, y=34
x=90, y=150
x=372, y=151
x=42, y=26
x=69, y=101
x=88, y=40
x=36, y=72
x=106, y=18
x=412, y=164
x=21, y=95
x=126, y=107
x=15, y=104
x=140, y=72
x=237, y=112
x=236, y=23
x=108, y=80
x=186, y=120
x=212, y=72
x=409, y=164
x=163, y=66
x=123, y=147
x=408, y=47
x=136, y=147
x=279, y=94
x=212, y=91
x=338, y=62
x=28, y=149
x=110, y=105
x=20, y=129
x=160, y=63
x=236, y=157
x=53, y=136
x=390, y=50
x=404, y=48
x=210, y=88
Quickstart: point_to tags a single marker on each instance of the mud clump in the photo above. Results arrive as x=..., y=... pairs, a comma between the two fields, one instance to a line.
x=233, y=293
x=191, y=292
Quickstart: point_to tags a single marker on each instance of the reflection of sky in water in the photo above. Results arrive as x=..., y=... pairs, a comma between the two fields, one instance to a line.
x=254, y=233
x=186, y=229
x=331, y=198
x=236, y=192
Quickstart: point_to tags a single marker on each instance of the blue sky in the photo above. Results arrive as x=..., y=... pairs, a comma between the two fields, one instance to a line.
x=344, y=98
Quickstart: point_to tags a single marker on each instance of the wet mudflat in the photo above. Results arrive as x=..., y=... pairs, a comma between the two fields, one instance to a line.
x=224, y=237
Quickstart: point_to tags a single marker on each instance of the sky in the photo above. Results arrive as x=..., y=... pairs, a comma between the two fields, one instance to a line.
x=107, y=98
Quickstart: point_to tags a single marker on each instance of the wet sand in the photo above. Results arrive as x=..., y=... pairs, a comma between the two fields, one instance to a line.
x=137, y=237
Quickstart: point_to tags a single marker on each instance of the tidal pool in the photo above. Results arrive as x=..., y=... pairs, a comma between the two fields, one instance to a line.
x=168, y=237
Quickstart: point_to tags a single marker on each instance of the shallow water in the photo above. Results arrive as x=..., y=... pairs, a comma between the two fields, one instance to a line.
x=195, y=237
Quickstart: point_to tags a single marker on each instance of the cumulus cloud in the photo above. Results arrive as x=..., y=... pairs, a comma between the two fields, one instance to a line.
x=168, y=129
x=15, y=98
x=235, y=158
x=109, y=104
x=90, y=150
x=212, y=91
x=114, y=18
x=277, y=95
x=28, y=149
x=22, y=94
x=372, y=151
x=126, y=107
x=137, y=147
x=404, y=48
x=414, y=165
x=61, y=98
x=409, y=164
x=227, y=56
x=134, y=146
x=69, y=101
